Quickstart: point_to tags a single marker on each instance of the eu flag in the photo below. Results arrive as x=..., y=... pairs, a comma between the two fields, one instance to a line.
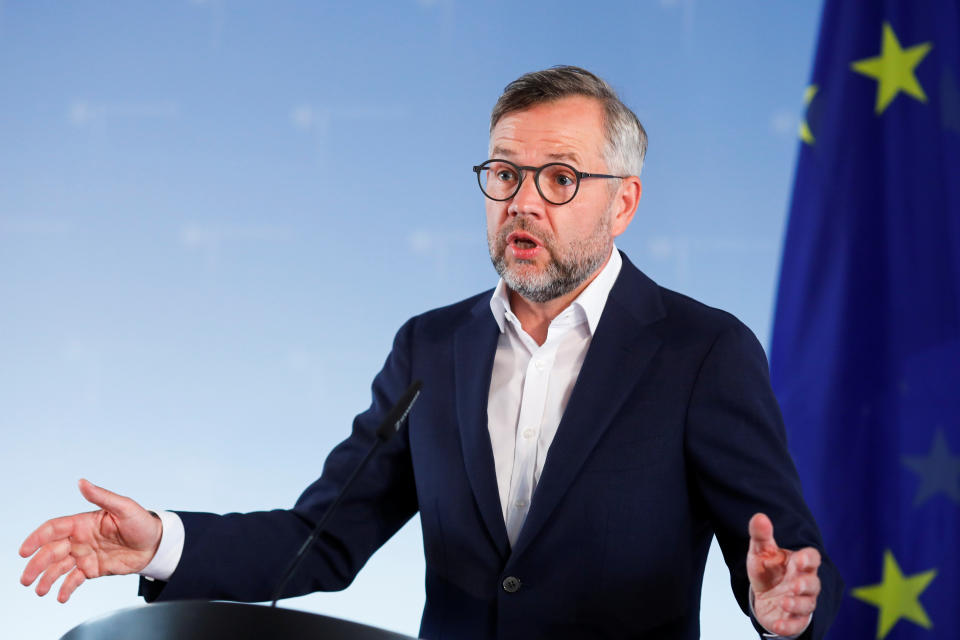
x=865, y=357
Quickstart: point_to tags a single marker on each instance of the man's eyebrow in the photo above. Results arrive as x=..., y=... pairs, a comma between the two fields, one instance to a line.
x=499, y=152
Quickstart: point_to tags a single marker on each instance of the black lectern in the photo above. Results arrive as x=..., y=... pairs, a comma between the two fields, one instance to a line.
x=196, y=620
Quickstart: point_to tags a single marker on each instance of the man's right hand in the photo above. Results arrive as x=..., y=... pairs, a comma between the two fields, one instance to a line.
x=120, y=538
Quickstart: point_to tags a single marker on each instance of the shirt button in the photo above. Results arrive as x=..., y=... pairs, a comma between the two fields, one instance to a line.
x=529, y=433
x=520, y=504
x=511, y=584
x=539, y=365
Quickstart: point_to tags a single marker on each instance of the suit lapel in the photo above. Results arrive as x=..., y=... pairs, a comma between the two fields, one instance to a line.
x=474, y=348
x=619, y=352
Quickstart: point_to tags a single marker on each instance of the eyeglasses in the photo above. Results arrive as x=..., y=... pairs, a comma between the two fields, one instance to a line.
x=556, y=182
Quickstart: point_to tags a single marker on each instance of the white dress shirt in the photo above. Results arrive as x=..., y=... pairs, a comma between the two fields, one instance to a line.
x=531, y=385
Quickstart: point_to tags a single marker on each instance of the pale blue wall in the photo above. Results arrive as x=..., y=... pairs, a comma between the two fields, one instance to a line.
x=214, y=216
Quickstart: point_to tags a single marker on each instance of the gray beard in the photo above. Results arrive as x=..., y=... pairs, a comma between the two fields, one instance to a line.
x=563, y=273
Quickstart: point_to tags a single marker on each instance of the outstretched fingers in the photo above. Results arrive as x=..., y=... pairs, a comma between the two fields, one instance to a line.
x=53, y=560
x=50, y=553
x=118, y=538
x=802, y=582
x=795, y=599
x=784, y=582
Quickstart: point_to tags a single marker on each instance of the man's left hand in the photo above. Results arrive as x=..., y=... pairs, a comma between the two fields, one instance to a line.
x=784, y=583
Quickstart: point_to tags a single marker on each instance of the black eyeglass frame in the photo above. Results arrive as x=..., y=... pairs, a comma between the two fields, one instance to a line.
x=581, y=175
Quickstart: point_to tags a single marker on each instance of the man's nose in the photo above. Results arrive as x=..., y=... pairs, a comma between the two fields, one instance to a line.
x=527, y=199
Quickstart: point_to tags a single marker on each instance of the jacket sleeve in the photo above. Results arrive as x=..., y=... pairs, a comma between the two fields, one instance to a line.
x=740, y=465
x=242, y=557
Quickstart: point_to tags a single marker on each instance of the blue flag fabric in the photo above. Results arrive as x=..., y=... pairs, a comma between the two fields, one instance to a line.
x=865, y=357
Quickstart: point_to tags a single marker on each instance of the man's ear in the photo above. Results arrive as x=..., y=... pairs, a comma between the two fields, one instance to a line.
x=627, y=199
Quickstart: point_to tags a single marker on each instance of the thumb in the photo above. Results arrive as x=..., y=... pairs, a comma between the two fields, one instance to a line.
x=761, y=535
x=106, y=500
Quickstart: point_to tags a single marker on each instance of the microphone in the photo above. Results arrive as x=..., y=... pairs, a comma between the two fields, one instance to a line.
x=390, y=425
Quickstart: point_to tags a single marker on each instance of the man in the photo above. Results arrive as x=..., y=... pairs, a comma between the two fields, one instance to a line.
x=581, y=436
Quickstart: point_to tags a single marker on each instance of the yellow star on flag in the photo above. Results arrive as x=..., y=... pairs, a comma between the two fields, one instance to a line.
x=805, y=133
x=893, y=69
x=897, y=596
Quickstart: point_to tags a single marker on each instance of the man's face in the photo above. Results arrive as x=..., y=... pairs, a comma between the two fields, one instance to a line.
x=543, y=250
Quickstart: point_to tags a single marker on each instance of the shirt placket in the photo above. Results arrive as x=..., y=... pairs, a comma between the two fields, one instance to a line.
x=532, y=405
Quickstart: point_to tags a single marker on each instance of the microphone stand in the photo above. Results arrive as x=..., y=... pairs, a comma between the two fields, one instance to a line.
x=390, y=425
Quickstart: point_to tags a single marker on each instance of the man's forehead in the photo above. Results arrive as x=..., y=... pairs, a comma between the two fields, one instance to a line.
x=566, y=130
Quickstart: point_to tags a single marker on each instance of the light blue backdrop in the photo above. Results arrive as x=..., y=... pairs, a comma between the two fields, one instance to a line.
x=214, y=216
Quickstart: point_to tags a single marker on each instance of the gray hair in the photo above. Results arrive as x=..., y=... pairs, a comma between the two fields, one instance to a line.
x=625, y=136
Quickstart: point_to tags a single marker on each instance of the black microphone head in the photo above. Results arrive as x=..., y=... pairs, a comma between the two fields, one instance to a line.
x=391, y=423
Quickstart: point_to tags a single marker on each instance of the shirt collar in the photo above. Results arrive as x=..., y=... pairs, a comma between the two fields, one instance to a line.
x=590, y=302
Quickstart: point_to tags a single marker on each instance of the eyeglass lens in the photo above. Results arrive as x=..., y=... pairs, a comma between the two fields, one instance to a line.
x=501, y=181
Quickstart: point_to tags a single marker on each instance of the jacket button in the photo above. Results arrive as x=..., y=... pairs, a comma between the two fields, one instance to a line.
x=511, y=584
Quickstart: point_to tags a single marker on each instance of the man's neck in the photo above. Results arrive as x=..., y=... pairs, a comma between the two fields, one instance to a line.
x=535, y=317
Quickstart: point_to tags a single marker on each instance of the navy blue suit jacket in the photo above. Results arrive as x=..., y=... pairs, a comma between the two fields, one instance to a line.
x=671, y=434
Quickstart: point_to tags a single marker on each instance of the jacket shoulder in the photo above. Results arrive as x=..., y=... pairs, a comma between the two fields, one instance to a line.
x=674, y=316
x=689, y=322
x=447, y=319
x=695, y=314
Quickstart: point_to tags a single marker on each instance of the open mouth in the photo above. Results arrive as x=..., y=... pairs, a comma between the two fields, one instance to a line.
x=523, y=241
